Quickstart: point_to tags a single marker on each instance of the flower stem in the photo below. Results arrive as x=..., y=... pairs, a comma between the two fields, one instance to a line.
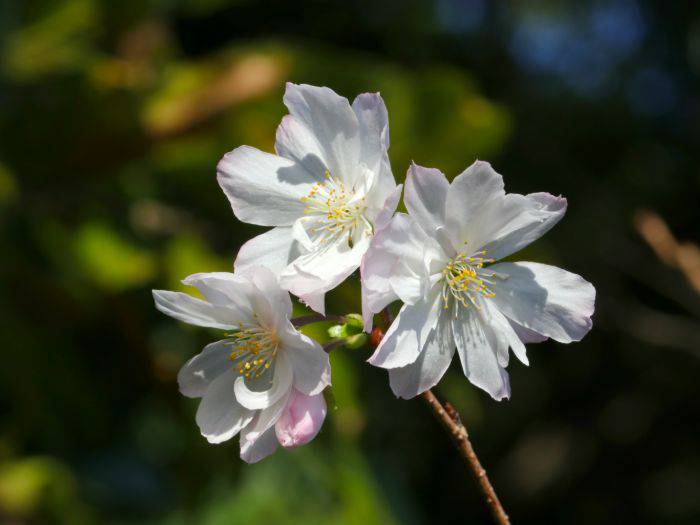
x=451, y=422
x=332, y=345
x=303, y=320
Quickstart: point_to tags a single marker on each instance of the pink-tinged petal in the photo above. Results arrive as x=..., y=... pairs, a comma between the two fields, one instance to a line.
x=526, y=335
x=331, y=120
x=263, y=188
x=301, y=420
x=258, y=439
x=407, y=335
x=506, y=224
x=545, y=299
x=425, y=196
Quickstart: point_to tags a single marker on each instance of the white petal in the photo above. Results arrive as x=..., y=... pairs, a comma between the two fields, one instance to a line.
x=273, y=304
x=506, y=224
x=425, y=196
x=263, y=188
x=197, y=374
x=266, y=418
x=526, y=335
x=545, y=299
x=297, y=141
x=478, y=347
x=194, y=311
x=260, y=448
x=315, y=301
x=389, y=207
x=407, y=335
x=312, y=369
x=393, y=265
x=278, y=385
x=324, y=268
x=225, y=289
x=374, y=135
x=469, y=192
x=332, y=122
x=432, y=363
x=499, y=323
x=220, y=416
x=274, y=249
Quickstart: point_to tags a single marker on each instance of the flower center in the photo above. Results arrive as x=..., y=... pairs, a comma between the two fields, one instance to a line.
x=334, y=208
x=253, y=350
x=465, y=279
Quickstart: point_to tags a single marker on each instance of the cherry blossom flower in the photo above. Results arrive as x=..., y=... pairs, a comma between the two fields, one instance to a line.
x=256, y=373
x=441, y=261
x=328, y=189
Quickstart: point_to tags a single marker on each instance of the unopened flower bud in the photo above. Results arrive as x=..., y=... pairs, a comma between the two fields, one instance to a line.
x=301, y=420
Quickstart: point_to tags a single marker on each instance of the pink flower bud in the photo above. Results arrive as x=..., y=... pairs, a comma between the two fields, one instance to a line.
x=301, y=420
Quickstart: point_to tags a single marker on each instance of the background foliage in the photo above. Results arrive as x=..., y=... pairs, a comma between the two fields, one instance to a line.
x=112, y=118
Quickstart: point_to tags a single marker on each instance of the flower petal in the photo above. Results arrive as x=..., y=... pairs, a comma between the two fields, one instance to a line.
x=315, y=301
x=432, y=363
x=407, y=335
x=274, y=249
x=324, y=268
x=393, y=266
x=469, y=192
x=506, y=224
x=296, y=141
x=526, y=335
x=479, y=346
x=196, y=375
x=273, y=304
x=269, y=388
x=194, y=311
x=332, y=122
x=500, y=324
x=312, y=368
x=374, y=136
x=225, y=289
x=301, y=420
x=258, y=439
x=253, y=451
x=263, y=188
x=545, y=299
x=425, y=196
x=388, y=208
x=219, y=415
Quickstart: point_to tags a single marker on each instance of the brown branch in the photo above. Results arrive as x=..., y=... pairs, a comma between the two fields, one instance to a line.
x=451, y=422
x=303, y=320
x=684, y=256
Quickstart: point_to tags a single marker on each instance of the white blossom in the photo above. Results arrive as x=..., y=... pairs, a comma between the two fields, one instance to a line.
x=328, y=189
x=248, y=379
x=441, y=261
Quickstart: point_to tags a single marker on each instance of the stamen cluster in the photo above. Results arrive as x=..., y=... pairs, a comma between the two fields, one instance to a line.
x=464, y=279
x=254, y=350
x=336, y=207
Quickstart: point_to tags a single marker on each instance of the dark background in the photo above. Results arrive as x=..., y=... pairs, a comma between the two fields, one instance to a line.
x=113, y=116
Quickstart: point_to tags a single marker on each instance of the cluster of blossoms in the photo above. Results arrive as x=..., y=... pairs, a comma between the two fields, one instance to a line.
x=330, y=196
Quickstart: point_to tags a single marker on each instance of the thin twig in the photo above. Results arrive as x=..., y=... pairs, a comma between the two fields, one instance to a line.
x=332, y=345
x=682, y=255
x=303, y=320
x=451, y=422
